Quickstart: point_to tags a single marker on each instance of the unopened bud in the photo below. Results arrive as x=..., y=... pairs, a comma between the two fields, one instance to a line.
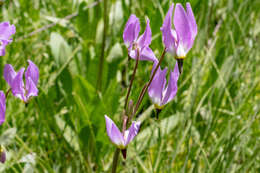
x=2, y=155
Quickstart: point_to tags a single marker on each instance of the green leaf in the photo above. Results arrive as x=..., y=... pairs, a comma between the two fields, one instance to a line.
x=59, y=48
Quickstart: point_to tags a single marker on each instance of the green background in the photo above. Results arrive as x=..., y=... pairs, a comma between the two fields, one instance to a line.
x=212, y=125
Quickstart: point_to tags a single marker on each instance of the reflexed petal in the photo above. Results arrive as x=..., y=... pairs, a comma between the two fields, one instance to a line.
x=182, y=27
x=2, y=50
x=32, y=72
x=31, y=88
x=113, y=132
x=145, y=39
x=18, y=85
x=147, y=54
x=6, y=30
x=3, y=44
x=132, y=131
x=167, y=32
x=131, y=31
x=2, y=107
x=172, y=87
x=192, y=21
x=156, y=88
x=9, y=74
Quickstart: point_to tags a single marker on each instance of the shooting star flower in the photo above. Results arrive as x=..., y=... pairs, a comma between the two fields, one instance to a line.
x=121, y=140
x=158, y=92
x=180, y=40
x=15, y=81
x=135, y=43
x=6, y=30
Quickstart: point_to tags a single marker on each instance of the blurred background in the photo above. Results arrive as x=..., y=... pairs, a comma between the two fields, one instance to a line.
x=212, y=125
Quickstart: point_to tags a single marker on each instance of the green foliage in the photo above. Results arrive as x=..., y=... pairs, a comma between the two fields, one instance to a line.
x=212, y=125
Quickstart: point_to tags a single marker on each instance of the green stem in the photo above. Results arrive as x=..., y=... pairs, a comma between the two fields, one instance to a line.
x=101, y=62
x=132, y=79
x=115, y=160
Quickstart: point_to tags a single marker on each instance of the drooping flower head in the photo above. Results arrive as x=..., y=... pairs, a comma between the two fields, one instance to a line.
x=158, y=92
x=179, y=41
x=2, y=107
x=117, y=137
x=15, y=81
x=6, y=30
x=135, y=43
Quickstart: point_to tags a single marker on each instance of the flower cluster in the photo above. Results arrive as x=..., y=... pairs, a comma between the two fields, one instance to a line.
x=15, y=79
x=177, y=40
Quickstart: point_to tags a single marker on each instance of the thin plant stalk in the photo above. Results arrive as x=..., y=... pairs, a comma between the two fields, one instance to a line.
x=101, y=61
x=115, y=160
x=146, y=86
x=7, y=92
x=132, y=79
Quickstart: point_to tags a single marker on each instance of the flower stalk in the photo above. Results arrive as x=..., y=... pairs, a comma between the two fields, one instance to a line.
x=132, y=79
x=146, y=86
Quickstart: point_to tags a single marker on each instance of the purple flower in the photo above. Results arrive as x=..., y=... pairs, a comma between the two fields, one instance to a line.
x=135, y=43
x=6, y=30
x=179, y=41
x=158, y=92
x=119, y=139
x=2, y=107
x=15, y=81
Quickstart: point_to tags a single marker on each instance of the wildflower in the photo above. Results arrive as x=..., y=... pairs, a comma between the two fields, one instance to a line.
x=6, y=30
x=15, y=81
x=2, y=107
x=179, y=41
x=158, y=92
x=137, y=44
x=121, y=140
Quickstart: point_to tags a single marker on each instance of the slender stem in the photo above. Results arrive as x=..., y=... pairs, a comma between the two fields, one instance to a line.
x=146, y=86
x=7, y=92
x=115, y=160
x=132, y=79
x=101, y=62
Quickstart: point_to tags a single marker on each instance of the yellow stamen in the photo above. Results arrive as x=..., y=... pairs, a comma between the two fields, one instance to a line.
x=158, y=106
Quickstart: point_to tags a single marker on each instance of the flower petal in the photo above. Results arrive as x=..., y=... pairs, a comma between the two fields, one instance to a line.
x=2, y=107
x=114, y=133
x=131, y=31
x=167, y=32
x=145, y=39
x=6, y=30
x=132, y=131
x=18, y=85
x=171, y=90
x=3, y=44
x=31, y=88
x=182, y=27
x=147, y=54
x=156, y=88
x=9, y=74
x=32, y=72
x=192, y=20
